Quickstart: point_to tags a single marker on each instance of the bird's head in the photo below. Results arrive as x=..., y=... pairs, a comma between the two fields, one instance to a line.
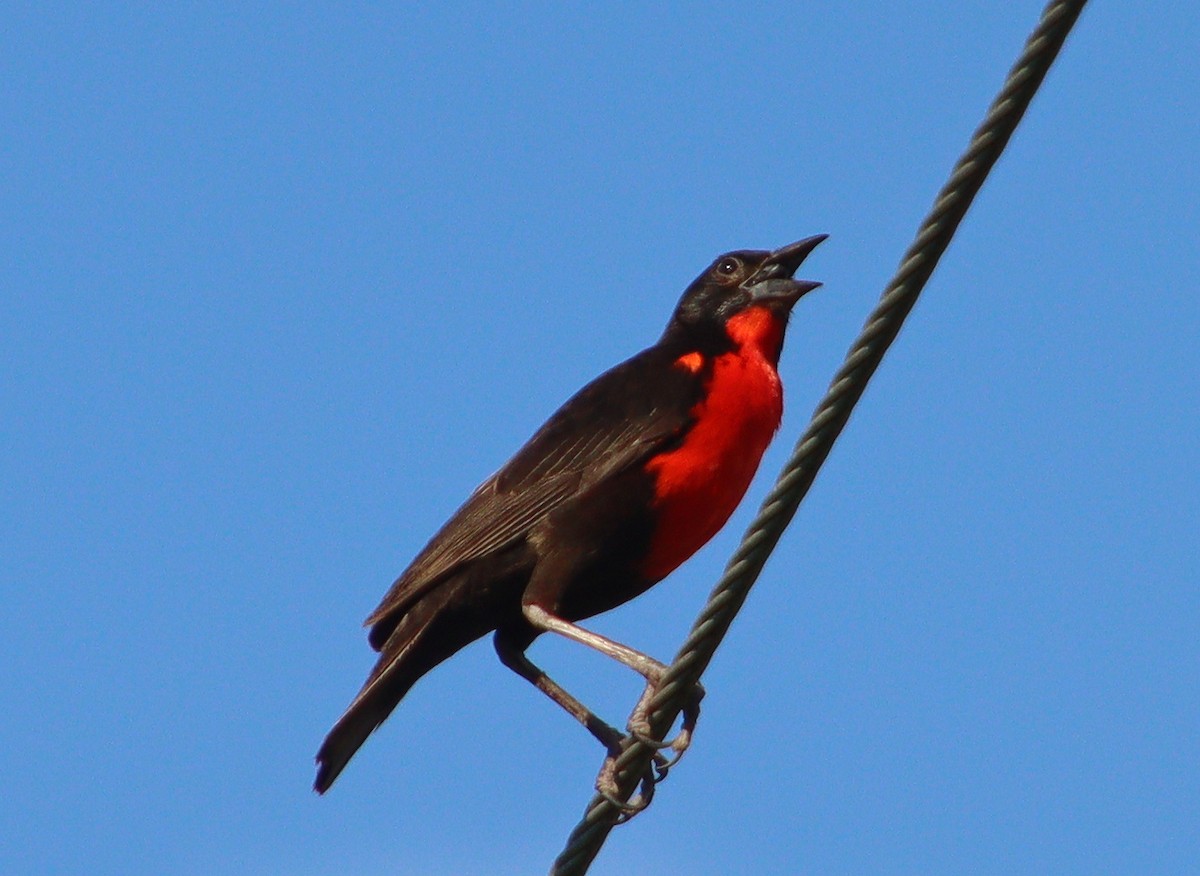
x=743, y=295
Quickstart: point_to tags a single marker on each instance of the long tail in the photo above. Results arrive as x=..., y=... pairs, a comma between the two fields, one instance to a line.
x=419, y=642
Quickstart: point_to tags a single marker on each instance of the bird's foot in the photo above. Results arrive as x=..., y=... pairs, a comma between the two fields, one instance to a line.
x=659, y=766
x=639, y=725
x=606, y=787
x=615, y=743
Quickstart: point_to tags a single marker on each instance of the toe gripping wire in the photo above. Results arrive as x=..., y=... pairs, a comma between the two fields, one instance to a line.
x=951, y=205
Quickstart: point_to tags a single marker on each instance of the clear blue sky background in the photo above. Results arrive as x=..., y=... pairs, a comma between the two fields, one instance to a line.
x=279, y=286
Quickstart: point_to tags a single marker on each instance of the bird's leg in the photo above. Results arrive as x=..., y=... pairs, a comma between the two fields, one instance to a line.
x=513, y=656
x=652, y=670
x=643, y=664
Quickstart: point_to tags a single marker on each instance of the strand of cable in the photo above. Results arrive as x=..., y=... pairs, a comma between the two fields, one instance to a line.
x=828, y=420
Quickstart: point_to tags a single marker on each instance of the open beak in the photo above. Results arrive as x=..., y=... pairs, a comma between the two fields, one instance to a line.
x=773, y=281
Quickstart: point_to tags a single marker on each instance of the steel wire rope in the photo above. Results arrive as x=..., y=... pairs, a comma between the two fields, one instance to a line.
x=829, y=418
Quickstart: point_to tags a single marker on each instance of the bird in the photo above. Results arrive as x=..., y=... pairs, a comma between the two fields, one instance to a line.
x=628, y=479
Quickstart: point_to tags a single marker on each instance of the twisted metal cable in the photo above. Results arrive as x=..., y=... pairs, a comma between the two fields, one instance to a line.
x=828, y=420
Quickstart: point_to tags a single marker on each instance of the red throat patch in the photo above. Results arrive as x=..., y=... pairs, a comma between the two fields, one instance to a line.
x=700, y=483
x=759, y=328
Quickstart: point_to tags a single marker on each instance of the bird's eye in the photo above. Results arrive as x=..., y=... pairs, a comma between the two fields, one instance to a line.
x=728, y=266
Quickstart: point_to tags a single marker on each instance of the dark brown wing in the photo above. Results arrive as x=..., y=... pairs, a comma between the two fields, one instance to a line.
x=618, y=420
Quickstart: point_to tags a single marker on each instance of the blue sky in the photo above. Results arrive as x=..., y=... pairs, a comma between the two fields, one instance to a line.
x=279, y=286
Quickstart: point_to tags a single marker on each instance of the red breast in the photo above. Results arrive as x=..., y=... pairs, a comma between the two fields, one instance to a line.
x=701, y=482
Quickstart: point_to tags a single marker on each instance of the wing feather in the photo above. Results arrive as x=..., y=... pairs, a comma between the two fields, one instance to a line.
x=618, y=420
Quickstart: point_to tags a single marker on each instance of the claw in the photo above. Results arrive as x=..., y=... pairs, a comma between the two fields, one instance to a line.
x=606, y=787
x=639, y=724
x=662, y=766
x=644, y=737
x=679, y=744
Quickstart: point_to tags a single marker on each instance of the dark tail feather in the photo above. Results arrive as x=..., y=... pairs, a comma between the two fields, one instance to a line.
x=409, y=653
